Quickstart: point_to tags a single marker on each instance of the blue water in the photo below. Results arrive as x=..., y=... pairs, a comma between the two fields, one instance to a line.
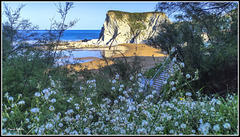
x=73, y=35
x=76, y=35
x=77, y=53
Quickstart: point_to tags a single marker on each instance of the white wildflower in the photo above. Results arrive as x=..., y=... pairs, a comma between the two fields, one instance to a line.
x=10, y=98
x=174, y=88
x=183, y=126
x=46, y=91
x=142, y=131
x=140, y=90
x=117, y=76
x=53, y=92
x=188, y=94
x=176, y=123
x=113, y=88
x=115, y=101
x=53, y=83
x=174, y=59
x=90, y=117
x=51, y=108
x=173, y=49
x=169, y=117
x=49, y=126
x=35, y=110
x=212, y=109
x=27, y=120
x=37, y=94
x=216, y=127
x=204, y=111
x=154, y=92
x=88, y=99
x=144, y=123
x=85, y=119
x=6, y=95
x=36, y=118
x=81, y=88
x=188, y=76
x=219, y=102
x=171, y=131
x=227, y=125
x=120, y=89
x=70, y=111
x=207, y=125
x=87, y=130
x=182, y=65
x=114, y=81
x=122, y=131
x=159, y=129
x=53, y=100
x=131, y=78
x=19, y=96
x=70, y=99
x=21, y=102
x=186, y=111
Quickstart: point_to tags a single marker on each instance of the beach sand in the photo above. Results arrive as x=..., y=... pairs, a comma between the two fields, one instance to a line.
x=148, y=55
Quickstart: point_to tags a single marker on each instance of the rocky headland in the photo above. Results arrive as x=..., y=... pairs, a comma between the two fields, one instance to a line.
x=124, y=27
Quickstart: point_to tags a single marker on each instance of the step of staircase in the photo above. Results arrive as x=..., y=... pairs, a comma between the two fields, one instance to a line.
x=163, y=76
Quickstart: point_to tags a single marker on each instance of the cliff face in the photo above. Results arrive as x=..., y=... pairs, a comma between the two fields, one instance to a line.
x=124, y=27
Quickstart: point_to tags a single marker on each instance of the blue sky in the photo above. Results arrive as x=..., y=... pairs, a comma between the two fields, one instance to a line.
x=91, y=15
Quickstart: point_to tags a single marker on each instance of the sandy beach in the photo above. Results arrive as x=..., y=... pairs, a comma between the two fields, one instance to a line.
x=148, y=55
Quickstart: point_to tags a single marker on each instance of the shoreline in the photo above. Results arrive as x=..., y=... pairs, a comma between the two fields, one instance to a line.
x=148, y=55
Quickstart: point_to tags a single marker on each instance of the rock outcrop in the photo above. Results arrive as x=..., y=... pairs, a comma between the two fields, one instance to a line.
x=124, y=27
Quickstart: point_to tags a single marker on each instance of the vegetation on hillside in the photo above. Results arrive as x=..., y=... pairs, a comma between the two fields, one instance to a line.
x=137, y=16
x=135, y=19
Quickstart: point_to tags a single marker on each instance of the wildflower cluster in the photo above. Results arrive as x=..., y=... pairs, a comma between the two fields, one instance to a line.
x=132, y=112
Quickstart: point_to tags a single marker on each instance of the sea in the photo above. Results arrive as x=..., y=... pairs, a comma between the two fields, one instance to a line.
x=73, y=35
x=70, y=56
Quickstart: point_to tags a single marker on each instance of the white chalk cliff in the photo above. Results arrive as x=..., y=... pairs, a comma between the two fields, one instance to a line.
x=124, y=27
